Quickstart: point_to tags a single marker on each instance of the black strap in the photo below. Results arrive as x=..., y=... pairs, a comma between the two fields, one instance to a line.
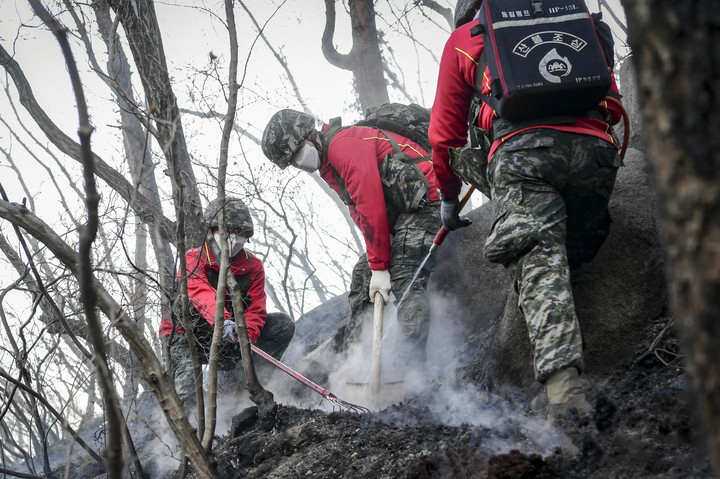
x=395, y=147
x=502, y=127
x=336, y=126
x=474, y=111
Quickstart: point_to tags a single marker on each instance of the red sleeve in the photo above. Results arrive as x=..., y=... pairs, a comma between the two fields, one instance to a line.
x=200, y=292
x=448, y=119
x=356, y=162
x=256, y=312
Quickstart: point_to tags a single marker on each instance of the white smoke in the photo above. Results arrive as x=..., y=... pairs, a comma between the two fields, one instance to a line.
x=432, y=384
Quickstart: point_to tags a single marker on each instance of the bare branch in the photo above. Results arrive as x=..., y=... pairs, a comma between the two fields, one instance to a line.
x=614, y=16
x=142, y=32
x=280, y=59
x=19, y=474
x=331, y=54
x=151, y=369
x=444, y=12
x=149, y=212
x=55, y=413
x=113, y=450
x=211, y=417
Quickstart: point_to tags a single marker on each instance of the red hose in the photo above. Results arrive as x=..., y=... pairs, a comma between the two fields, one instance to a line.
x=626, y=124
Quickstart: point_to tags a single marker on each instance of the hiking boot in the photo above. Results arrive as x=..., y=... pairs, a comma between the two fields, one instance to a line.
x=566, y=396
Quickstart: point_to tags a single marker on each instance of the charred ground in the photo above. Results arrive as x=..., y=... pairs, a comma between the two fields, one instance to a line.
x=644, y=427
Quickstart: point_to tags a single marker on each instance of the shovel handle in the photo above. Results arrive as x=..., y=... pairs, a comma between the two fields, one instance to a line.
x=443, y=232
x=376, y=361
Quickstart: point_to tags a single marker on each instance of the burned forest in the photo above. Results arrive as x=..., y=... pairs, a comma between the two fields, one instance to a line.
x=359, y=238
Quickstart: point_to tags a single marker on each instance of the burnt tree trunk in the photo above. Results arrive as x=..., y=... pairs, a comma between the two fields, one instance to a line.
x=678, y=70
x=364, y=59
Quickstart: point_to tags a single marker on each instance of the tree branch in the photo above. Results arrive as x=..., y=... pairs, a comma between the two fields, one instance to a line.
x=151, y=369
x=142, y=32
x=444, y=12
x=55, y=413
x=211, y=416
x=331, y=54
x=150, y=213
x=280, y=59
x=113, y=450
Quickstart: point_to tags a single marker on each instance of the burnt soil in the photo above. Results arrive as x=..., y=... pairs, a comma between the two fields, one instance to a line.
x=643, y=427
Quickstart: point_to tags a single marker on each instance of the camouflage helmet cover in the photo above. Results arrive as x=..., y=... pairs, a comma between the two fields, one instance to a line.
x=284, y=133
x=237, y=215
x=465, y=11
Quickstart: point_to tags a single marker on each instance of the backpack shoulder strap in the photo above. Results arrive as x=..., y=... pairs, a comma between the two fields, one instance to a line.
x=335, y=127
x=344, y=193
x=395, y=147
x=478, y=97
x=401, y=155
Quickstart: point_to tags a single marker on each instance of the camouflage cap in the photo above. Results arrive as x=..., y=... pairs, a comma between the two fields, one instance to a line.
x=284, y=133
x=237, y=216
x=465, y=11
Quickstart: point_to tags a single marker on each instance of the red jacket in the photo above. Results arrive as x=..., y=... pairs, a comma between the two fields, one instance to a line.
x=248, y=271
x=355, y=153
x=455, y=90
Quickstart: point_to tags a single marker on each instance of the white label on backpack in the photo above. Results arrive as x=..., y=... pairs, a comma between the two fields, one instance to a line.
x=528, y=44
x=553, y=67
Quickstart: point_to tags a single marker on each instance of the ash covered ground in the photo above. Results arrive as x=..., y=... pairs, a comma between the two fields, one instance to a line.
x=644, y=427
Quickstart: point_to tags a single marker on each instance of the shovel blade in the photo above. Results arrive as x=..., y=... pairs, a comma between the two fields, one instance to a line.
x=376, y=397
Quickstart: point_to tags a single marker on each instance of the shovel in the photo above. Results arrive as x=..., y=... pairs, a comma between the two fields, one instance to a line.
x=376, y=393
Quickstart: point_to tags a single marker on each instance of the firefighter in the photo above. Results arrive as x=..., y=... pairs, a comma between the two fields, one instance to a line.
x=271, y=332
x=550, y=186
x=396, y=211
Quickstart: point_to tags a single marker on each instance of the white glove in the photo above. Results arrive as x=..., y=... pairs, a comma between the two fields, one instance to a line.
x=380, y=283
x=230, y=331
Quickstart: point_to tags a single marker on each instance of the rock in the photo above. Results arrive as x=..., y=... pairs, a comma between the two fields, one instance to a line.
x=631, y=102
x=244, y=421
x=316, y=326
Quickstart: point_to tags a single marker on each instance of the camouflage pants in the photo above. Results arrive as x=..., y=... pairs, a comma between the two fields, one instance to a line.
x=274, y=339
x=414, y=233
x=550, y=193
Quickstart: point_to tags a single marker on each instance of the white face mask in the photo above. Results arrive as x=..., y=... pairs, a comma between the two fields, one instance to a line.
x=306, y=158
x=235, y=242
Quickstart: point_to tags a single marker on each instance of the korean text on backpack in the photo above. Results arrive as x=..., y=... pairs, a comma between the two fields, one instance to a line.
x=544, y=58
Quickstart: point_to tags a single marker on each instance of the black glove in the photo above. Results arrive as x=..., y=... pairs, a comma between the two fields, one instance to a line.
x=449, y=213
